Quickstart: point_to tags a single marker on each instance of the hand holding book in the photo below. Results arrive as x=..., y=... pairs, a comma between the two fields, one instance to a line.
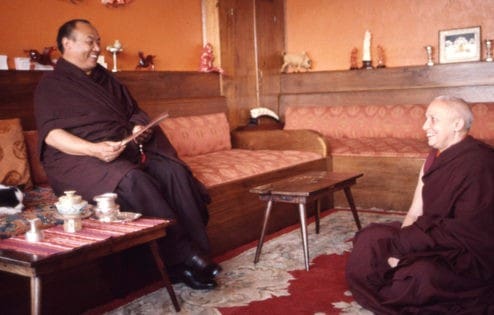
x=153, y=123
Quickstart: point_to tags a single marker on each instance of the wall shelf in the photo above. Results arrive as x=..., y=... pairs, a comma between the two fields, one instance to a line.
x=473, y=81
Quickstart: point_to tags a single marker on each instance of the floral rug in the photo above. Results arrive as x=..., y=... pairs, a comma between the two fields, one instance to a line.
x=278, y=283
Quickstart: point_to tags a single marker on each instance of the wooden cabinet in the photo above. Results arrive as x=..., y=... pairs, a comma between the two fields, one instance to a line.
x=251, y=40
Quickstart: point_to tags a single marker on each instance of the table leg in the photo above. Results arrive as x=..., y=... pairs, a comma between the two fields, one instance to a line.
x=161, y=267
x=263, y=231
x=349, y=198
x=35, y=295
x=303, y=230
x=318, y=214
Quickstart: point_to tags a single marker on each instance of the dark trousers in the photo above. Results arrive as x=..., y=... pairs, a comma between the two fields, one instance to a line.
x=165, y=188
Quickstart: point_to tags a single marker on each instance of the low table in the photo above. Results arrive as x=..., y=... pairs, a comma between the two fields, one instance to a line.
x=61, y=250
x=302, y=189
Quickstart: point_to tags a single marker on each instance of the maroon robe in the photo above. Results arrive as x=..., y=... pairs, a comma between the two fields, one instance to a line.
x=95, y=108
x=447, y=256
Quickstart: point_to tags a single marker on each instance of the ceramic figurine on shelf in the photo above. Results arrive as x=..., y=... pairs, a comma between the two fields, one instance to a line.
x=115, y=3
x=145, y=63
x=488, y=50
x=380, y=57
x=207, y=59
x=296, y=62
x=429, y=52
x=115, y=49
x=353, y=59
x=43, y=58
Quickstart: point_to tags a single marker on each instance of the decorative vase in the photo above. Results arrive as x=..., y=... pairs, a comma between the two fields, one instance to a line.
x=429, y=52
x=488, y=50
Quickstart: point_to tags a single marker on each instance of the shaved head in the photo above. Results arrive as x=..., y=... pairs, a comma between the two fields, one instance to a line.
x=448, y=120
x=458, y=107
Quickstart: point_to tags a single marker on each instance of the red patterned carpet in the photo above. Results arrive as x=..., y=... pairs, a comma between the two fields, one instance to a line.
x=278, y=284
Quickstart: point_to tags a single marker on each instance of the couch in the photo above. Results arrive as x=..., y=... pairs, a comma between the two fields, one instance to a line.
x=228, y=163
x=385, y=142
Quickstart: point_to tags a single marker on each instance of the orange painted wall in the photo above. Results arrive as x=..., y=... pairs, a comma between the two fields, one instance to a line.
x=329, y=29
x=169, y=29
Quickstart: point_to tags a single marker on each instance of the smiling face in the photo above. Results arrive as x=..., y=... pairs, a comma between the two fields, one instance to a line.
x=82, y=47
x=443, y=125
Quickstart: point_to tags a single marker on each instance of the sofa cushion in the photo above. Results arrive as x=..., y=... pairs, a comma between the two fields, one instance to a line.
x=359, y=121
x=384, y=147
x=13, y=156
x=39, y=203
x=224, y=166
x=379, y=130
x=193, y=135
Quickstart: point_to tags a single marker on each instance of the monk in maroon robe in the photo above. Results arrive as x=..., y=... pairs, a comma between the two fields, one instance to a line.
x=440, y=260
x=82, y=114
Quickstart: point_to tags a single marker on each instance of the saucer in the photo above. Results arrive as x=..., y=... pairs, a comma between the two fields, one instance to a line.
x=118, y=217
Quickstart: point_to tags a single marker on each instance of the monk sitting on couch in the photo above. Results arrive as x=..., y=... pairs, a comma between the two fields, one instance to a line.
x=83, y=113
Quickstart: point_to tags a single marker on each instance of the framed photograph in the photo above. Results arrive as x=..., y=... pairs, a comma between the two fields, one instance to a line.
x=459, y=45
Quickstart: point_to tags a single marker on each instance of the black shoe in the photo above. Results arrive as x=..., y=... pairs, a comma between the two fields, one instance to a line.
x=204, y=266
x=190, y=279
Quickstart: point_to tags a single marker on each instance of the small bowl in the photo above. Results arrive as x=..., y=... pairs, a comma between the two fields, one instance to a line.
x=72, y=209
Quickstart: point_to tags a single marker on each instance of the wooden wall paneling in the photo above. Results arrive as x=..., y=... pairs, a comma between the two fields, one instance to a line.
x=270, y=43
x=380, y=173
x=16, y=95
x=238, y=57
x=149, y=85
x=409, y=85
x=385, y=97
x=194, y=91
x=444, y=75
x=185, y=106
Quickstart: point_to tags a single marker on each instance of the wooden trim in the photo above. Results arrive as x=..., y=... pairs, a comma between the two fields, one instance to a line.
x=447, y=75
x=150, y=85
x=185, y=106
x=389, y=86
x=300, y=140
x=195, y=92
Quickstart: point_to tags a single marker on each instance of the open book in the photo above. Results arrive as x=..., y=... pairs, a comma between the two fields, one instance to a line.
x=153, y=123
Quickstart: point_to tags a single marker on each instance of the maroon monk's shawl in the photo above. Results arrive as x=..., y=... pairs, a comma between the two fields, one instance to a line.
x=447, y=256
x=94, y=107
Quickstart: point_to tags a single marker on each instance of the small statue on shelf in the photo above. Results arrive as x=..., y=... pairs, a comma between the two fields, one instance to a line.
x=207, y=59
x=380, y=57
x=145, y=62
x=115, y=49
x=353, y=59
x=43, y=58
x=296, y=62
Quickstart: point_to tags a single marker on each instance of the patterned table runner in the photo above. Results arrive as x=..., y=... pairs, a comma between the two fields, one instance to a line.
x=56, y=240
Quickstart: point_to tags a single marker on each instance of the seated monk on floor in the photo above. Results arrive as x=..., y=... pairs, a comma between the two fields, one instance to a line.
x=441, y=259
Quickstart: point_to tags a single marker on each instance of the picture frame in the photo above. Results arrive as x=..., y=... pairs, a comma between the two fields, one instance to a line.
x=459, y=45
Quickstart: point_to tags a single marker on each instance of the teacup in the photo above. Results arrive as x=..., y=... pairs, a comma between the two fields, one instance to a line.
x=106, y=208
x=106, y=202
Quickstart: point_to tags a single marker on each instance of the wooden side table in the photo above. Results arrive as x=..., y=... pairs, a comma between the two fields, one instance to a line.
x=62, y=250
x=302, y=189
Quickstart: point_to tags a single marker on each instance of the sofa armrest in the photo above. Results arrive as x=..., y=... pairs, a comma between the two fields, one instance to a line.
x=301, y=140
